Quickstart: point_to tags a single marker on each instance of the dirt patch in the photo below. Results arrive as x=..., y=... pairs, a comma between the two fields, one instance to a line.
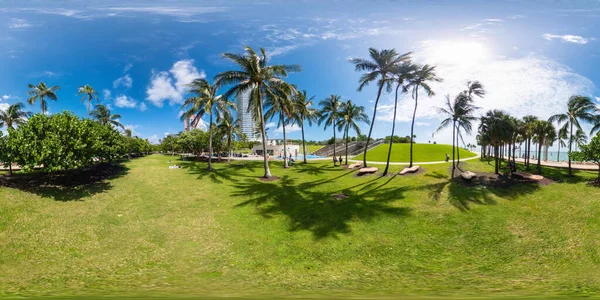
x=499, y=181
x=270, y=179
x=418, y=172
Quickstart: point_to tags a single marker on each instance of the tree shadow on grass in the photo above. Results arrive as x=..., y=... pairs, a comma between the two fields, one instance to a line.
x=70, y=185
x=318, y=212
x=220, y=173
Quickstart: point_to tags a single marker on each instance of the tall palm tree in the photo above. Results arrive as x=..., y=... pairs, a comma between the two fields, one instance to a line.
x=420, y=80
x=494, y=129
x=464, y=122
x=451, y=111
x=229, y=128
x=304, y=112
x=14, y=115
x=42, y=92
x=257, y=77
x=541, y=130
x=563, y=135
x=578, y=108
x=330, y=114
x=205, y=101
x=378, y=68
x=103, y=116
x=529, y=123
x=579, y=138
x=350, y=114
x=89, y=94
x=279, y=103
x=401, y=73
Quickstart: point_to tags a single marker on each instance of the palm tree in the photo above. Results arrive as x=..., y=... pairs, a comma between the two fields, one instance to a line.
x=257, y=77
x=578, y=108
x=421, y=79
x=205, y=101
x=304, y=112
x=494, y=130
x=350, y=114
x=562, y=137
x=103, y=116
x=89, y=94
x=579, y=138
x=379, y=67
x=229, y=128
x=330, y=113
x=41, y=92
x=400, y=73
x=451, y=112
x=529, y=123
x=14, y=115
x=541, y=130
x=279, y=102
x=465, y=118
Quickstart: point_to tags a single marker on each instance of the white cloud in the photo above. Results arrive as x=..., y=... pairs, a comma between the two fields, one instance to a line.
x=125, y=81
x=154, y=139
x=127, y=67
x=125, y=101
x=106, y=94
x=531, y=84
x=170, y=11
x=422, y=124
x=575, y=39
x=288, y=129
x=6, y=97
x=19, y=24
x=45, y=74
x=143, y=106
x=4, y=106
x=132, y=127
x=270, y=124
x=172, y=85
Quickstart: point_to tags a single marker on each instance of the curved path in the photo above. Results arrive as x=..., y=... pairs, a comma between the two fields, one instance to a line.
x=414, y=162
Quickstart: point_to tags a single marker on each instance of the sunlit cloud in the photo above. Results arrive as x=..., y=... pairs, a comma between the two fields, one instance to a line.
x=170, y=86
x=575, y=39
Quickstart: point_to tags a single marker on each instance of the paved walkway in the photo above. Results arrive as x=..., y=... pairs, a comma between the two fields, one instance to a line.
x=414, y=162
x=564, y=165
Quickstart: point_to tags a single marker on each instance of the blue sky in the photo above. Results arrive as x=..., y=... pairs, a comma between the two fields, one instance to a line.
x=530, y=55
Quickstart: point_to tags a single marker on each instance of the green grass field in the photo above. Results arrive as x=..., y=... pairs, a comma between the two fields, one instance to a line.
x=311, y=148
x=421, y=153
x=153, y=231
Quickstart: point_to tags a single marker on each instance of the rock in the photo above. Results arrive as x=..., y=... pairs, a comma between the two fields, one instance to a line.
x=412, y=169
x=368, y=170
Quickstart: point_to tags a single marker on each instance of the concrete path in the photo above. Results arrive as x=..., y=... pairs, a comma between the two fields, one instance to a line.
x=563, y=165
x=414, y=162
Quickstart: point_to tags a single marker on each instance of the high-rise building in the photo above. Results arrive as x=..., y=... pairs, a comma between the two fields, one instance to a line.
x=247, y=122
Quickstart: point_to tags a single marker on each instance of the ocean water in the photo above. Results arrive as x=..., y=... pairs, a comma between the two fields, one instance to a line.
x=552, y=155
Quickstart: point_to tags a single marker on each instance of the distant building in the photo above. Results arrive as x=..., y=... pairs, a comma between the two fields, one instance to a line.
x=189, y=124
x=247, y=122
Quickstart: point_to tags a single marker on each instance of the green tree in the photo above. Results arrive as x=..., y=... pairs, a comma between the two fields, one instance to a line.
x=379, y=67
x=542, y=130
x=494, y=129
x=304, y=112
x=89, y=94
x=421, y=79
x=401, y=73
x=465, y=116
x=257, y=77
x=104, y=116
x=528, y=123
x=579, y=108
x=14, y=115
x=563, y=135
x=229, y=128
x=589, y=152
x=350, y=114
x=42, y=92
x=330, y=114
x=205, y=101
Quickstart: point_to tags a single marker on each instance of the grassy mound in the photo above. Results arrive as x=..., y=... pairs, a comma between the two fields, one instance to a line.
x=151, y=230
x=421, y=153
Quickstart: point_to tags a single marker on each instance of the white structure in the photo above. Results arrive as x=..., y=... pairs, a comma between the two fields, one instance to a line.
x=247, y=122
x=275, y=150
x=189, y=124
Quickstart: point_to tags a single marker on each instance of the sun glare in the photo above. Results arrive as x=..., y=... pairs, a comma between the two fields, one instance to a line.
x=458, y=52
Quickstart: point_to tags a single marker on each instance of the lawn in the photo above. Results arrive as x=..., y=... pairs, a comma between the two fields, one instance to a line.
x=151, y=230
x=311, y=148
x=421, y=153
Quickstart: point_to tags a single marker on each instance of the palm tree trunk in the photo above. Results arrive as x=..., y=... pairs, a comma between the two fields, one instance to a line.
x=303, y=141
x=570, y=147
x=285, y=162
x=10, y=168
x=457, y=148
x=453, y=149
x=347, y=138
x=89, y=107
x=496, y=159
x=387, y=165
x=334, y=155
x=539, y=159
x=372, y=123
x=412, y=127
x=210, y=137
x=558, y=153
x=229, y=148
x=264, y=134
x=528, y=152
